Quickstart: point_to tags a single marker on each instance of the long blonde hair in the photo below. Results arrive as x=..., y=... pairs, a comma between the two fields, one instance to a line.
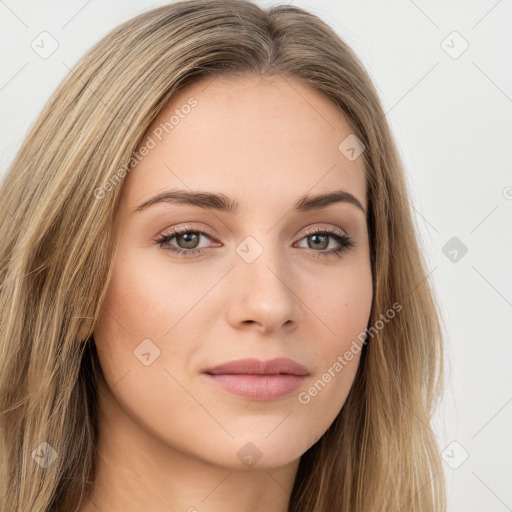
x=57, y=250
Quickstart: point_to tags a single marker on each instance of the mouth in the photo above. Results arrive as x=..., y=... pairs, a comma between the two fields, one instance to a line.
x=259, y=380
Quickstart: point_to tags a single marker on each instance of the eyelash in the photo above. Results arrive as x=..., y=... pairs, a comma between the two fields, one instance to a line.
x=343, y=239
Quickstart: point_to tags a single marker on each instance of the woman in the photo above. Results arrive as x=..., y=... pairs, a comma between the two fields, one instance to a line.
x=213, y=296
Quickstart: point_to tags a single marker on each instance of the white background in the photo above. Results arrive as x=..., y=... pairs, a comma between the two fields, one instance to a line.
x=451, y=118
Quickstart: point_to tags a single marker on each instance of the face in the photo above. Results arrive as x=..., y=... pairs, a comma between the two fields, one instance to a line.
x=273, y=279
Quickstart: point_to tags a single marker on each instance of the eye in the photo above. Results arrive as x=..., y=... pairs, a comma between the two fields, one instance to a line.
x=185, y=236
x=189, y=239
x=319, y=239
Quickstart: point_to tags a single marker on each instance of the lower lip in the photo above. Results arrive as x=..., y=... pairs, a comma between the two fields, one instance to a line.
x=258, y=387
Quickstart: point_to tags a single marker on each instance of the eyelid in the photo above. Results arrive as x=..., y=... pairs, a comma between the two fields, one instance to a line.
x=316, y=228
x=172, y=232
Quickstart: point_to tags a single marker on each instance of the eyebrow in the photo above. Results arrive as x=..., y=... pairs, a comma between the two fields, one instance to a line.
x=221, y=202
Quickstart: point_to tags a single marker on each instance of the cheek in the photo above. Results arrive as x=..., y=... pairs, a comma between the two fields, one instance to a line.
x=131, y=313
x=145, y=297
x=343, y=307
x=344, y=311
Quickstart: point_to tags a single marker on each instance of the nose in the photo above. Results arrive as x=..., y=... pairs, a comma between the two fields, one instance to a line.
x=263, y=297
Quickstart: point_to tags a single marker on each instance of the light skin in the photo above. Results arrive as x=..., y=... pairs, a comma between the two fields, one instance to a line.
x=168, y=438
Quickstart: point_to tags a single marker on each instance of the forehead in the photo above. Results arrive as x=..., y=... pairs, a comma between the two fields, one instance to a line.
x=271, y=138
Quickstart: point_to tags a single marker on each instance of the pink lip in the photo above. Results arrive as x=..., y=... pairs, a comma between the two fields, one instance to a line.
x=259, y=380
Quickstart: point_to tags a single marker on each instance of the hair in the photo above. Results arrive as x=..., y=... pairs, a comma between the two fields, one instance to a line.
x=58, y=248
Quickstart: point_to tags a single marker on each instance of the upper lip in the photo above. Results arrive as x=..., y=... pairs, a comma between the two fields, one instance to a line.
x=280, y=365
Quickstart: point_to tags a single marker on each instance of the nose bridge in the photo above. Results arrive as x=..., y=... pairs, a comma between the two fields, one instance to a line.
x=262, y=259
x=265, y=286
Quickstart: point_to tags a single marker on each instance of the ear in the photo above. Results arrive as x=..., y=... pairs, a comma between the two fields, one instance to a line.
x=85, y=329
